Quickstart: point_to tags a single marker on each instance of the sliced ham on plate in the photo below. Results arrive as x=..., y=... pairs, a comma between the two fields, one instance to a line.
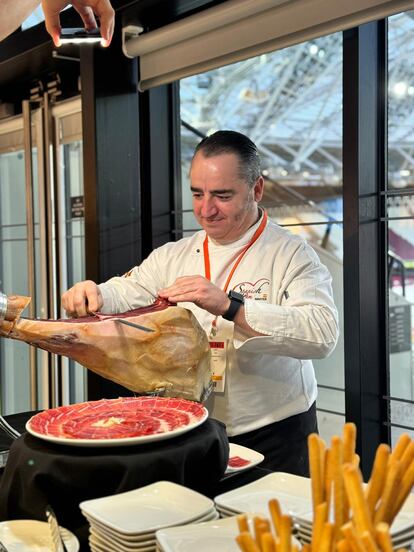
x=123, y=421
x=242, y=458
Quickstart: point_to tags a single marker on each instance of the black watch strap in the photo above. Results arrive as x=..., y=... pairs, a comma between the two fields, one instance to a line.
x=236, y=301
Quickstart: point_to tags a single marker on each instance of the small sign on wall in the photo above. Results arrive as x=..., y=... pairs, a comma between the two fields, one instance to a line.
x=77, y=207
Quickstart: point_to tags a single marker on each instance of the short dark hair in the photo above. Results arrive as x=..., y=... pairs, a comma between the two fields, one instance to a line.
x=229, y=141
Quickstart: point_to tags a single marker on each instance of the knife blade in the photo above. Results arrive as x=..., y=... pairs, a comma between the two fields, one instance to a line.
x=133, y=325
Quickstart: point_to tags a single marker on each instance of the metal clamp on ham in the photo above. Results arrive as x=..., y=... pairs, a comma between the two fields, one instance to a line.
x=3, y=306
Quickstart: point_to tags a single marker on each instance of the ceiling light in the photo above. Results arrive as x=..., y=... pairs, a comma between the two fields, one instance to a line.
x=400, y=89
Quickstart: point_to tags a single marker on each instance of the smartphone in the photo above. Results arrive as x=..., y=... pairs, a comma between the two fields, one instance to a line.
x=79, y=35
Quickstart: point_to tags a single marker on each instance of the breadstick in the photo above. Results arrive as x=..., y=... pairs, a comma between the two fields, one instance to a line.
x=343, y=546
x=378, y=476
x=327, y=538
x=285, y=534
x=242, y=524
x=353, y=486
x=268, y=543
x=352, y=537
x=349, y=440
x=387, y=503
x=260, y=525
x=382, y=533
x=369, y=542
x=339, y=493
x=246, y=543
x=306, y=547
x=407, y=483
x=348, y=453
x=356, y=460
x=275, y=514
x=328, y=480
x=407, y=457
x=315, y=469
x=322, y=454
x=400, y=447
x=321, y=517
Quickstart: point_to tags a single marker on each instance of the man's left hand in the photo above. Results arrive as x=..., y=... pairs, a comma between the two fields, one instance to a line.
x=197, y=290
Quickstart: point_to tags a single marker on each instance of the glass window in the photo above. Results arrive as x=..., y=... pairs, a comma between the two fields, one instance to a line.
x=289, y=103
x=400, y=222
x=400, y=101
x=34, y=18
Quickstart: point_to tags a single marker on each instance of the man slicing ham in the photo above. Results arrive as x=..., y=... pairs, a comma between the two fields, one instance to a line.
x=260, y=293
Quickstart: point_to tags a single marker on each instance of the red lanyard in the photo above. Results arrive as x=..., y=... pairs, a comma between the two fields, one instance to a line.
x=254, y=238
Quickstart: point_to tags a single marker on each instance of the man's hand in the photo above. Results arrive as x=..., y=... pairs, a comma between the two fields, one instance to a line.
x=197, y=290
x=81, y=299
x=87, y=9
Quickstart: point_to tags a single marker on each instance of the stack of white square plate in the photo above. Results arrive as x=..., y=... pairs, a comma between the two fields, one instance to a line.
x=293, y=493
x=127, y=522
x=295, y=498
x=217, y=535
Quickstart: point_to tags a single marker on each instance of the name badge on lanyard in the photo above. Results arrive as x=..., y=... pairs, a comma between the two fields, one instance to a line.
x=219, y=340
x=218, y=348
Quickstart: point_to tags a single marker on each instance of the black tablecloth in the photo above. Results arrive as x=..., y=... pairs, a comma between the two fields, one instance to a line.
x=17, y=421
x=38, y=472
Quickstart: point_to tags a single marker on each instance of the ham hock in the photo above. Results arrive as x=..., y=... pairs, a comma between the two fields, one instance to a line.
x=172, y=360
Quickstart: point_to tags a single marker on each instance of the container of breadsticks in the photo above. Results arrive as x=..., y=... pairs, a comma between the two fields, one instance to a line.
x=348, y=514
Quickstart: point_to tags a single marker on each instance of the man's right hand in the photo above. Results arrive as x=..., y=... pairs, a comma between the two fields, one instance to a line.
x=82, y=299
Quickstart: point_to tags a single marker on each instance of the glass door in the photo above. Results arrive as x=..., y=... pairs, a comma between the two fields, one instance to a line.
x=67, y=120
x=41, y=244
x=15, y=374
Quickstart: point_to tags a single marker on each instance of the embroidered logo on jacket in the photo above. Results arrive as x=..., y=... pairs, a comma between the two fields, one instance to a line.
x=258, y=290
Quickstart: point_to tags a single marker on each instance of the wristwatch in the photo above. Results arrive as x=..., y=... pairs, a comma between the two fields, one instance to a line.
x=236, y=301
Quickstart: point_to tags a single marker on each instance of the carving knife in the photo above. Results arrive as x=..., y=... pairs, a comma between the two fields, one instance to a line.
x=133, y=325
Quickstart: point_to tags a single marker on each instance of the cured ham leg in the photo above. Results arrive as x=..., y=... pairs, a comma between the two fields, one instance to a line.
x=173, y=359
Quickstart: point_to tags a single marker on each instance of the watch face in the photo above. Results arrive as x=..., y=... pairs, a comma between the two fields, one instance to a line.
x=236, y=296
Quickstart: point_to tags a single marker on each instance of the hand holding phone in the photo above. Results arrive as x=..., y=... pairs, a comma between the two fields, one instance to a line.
x=78, y=35
x=89, y=10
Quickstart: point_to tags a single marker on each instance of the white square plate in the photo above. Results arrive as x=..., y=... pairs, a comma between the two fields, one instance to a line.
x=149, y=508
x=114, y=546
x=28, y=535
x=96, y=546
x=246, y=457
x=215, y=535
x=292, y=491
x=144, y=539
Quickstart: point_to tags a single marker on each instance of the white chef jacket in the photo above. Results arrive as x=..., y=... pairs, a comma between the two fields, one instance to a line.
x=288, y=298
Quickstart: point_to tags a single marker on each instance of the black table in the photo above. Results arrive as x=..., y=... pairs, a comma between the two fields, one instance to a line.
x=39, y=472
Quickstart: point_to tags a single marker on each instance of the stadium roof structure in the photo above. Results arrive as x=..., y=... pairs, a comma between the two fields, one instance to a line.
x=290, y=103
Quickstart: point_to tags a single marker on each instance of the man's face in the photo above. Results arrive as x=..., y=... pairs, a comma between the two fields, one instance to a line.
x=223, y=203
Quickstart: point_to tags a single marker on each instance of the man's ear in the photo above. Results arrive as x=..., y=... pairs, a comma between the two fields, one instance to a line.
x=258, y=188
